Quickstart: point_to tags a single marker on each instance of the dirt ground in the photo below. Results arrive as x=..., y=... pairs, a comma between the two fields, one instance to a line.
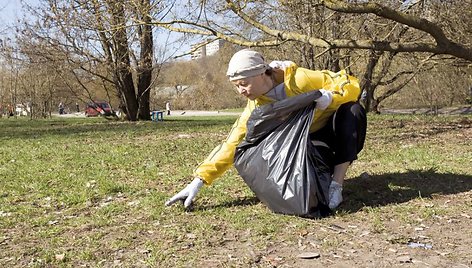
x=384, y=231
x=442, y=242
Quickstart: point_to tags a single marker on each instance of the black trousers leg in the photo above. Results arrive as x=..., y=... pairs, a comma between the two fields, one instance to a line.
x=345, y=132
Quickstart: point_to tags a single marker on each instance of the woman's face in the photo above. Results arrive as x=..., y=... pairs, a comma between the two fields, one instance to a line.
x=253, y=87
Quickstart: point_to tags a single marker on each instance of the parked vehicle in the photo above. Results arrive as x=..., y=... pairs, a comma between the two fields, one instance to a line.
x=98, y=108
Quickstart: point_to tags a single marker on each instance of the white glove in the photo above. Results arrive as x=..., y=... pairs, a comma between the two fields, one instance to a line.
x=187, y=194
x=278, y=64
x=325, y=100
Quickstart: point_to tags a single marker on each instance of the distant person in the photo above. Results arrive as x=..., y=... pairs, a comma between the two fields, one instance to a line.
x=168, y=108
x=77, y=107
x=61, y=108
x=339, y=123
x=10, y=111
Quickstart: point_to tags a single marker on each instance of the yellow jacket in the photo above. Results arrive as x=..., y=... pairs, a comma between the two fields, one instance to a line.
x=297, y=80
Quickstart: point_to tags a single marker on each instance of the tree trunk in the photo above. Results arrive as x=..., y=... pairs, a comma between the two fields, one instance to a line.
x=375, y=106
x=145, y=61
x=366, y=81
x=123, y=76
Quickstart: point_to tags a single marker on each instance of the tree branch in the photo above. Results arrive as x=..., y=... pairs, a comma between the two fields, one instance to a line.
x=394, y=90
x=443, y=44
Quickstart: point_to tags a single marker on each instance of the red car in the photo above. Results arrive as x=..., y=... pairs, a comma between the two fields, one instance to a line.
x=98, y=108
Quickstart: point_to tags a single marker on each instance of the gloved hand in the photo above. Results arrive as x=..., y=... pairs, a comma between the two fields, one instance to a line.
x=187, y=194
x=278, y=64
x=325, y=100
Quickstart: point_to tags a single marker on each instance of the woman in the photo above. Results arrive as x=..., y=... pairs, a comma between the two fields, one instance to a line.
x=338, y=125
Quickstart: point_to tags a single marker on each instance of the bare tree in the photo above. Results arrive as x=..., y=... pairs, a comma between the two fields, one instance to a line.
x=336, y=32
x=111, y=43
x=436, y=42
x=99, y=38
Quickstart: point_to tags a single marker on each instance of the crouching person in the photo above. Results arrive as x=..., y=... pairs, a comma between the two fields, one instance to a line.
x=337, y=127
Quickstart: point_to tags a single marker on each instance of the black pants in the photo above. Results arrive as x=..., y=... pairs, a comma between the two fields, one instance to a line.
x=344, y=134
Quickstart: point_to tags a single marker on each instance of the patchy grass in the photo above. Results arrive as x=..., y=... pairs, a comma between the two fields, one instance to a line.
x=90, y=192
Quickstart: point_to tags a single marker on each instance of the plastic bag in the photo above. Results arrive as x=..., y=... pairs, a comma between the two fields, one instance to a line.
x=278, y=161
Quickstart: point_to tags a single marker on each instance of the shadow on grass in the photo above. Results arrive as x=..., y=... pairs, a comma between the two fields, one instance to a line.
x=395, y=188
x=243, y=202
x=385, y=189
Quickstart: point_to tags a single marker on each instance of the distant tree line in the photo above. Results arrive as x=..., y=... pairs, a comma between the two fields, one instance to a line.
x=405, y=53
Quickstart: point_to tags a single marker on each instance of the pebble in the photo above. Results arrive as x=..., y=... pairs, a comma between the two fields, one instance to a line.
x=308, y=255
x=60, y=257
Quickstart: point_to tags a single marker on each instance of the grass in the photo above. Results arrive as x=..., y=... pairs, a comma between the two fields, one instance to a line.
x=90, y=192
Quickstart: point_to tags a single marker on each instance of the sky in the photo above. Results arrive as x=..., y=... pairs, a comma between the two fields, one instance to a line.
x=10, y=11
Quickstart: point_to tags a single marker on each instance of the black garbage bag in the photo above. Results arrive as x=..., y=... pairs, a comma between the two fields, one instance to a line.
x=278, y=161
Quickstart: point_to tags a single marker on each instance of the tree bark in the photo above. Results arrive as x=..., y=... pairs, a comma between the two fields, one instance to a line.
x=145, y=62
x=366, y=81
x=123, y=76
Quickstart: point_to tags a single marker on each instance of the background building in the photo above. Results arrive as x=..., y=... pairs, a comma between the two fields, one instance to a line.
x=206, y=50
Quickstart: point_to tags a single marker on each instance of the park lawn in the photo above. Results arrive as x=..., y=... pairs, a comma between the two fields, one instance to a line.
x=90, y=192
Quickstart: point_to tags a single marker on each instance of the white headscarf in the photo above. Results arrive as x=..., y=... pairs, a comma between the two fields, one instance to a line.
x=246, y=63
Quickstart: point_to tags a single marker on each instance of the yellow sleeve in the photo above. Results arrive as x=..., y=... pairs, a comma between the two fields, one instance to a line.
x=222, y=157
x=300, y=80
x=345, y=88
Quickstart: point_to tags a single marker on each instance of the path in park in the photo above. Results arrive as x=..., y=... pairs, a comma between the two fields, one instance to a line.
x=180, y=113
x=176, y=113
